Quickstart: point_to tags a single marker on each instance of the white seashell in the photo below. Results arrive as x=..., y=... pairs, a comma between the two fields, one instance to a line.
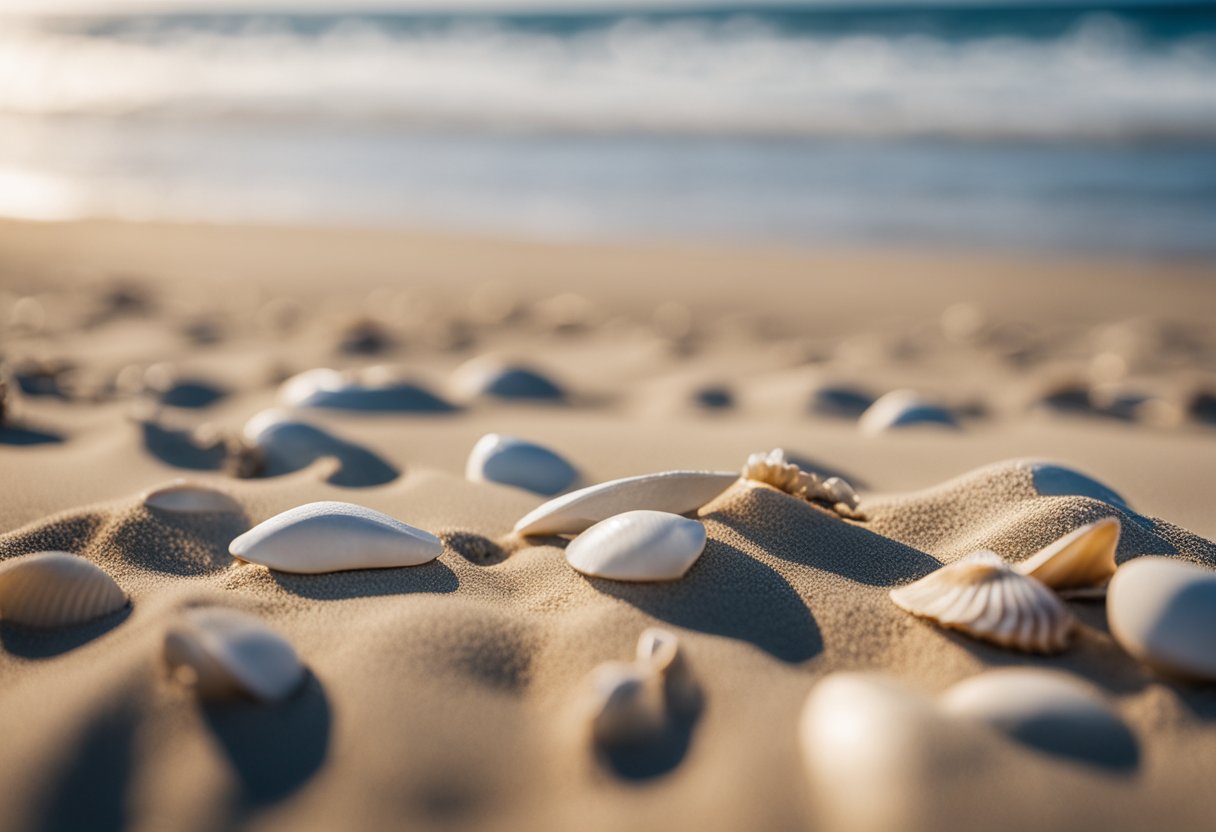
x=332, y=537
x=347, y=391
x=901, y=408
x=1163, y=612
x=638, y=546
x=1060, y=481
x=1080, y=560
x=776, y=470
x=1053, y=711
x=56, y=589
x=511, y=461
x=626, y=704
x=493, y=377
x=182, y=496
x=285, y=443
x=983, y=597
x=678, y=492
x=225, y=653
x=839, y=491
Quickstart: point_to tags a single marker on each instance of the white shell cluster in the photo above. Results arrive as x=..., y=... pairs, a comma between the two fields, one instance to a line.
x=331, y=537
x=182, y=496
x=1163, y=612
x=630, y=703
x=984, y=597
x=677, y=492
x=776, y=470
x=225, y=653
x=903, y=408
x=638, y=546
x=1017, y=606
x=517, y=462
x=56, y=589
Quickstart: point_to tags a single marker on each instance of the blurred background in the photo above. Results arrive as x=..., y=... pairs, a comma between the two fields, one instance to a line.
x=1014, y=125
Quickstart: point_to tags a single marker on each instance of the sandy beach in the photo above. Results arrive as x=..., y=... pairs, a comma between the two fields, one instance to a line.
x=448, y=695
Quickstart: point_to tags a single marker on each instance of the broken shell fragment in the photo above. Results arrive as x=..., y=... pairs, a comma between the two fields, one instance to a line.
x=1081, y=560
x=56, y=589
x=775, y=469
x=983, y=597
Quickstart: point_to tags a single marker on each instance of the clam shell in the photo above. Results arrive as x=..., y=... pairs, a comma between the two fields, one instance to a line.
x=332, y=537
x=983, y=597
x=638, y=546
x=901, y=408
x=225, y=653
x=286, y=443
x=678, y=492
x=1082, y=559
x=1163, y=612
x=492, y=377
x=182, y=496
x=1052, y=711
x=325, y=388
x=56, y=589
x=625, y=703
x=511, y=461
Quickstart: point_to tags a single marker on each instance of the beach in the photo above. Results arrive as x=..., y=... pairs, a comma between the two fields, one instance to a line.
x=449, y=695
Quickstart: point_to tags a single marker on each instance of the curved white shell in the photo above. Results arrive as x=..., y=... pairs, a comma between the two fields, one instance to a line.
x=182, y=496
x=300, y=388
x=1048, y=709
x=626, y=703
x=331, y=537
x=490, y=375
x=983, y=597
x=638, y=546
x=511, y=461
x=1163, y=612
x=901, y=408
x=225, y=653
x=56, y=589
x=677, y=492
x=328, y=388
x=1082, y=559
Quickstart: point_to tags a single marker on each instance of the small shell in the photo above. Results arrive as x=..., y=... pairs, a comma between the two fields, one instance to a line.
x=332, y=537
x=226, y=653
x=678, y=492
x=495, y=378
x=901, y=408
x=659, y=650
x=511, y=461
x=185, y=497
x=638, y=546
x=1083, y=559
x=776, y=470
x=56, y=589
x=284, y=443
x=625, y=703
x=983, y=597
x=1059, y=481
x=341, y=391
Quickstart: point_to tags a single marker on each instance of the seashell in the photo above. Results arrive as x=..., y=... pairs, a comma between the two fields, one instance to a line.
x=225, y=653
x=901, y=408
x=511, y=461
x=626, y=704
x=678, y=492
x=1081, y=560
x=182, y=496
x=284, y=443
x=325, y=388
x=492, y=377
x=1052, y=711
x=659, y=650
x=776, y=470
x=983, y=597
x=1163, y=612
x=638, y=546
x=1059, y=481
x=56, y=589
x=331, y=537
x=840, y=401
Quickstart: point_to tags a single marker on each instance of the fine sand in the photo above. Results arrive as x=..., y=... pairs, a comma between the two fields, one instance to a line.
x=447, y=695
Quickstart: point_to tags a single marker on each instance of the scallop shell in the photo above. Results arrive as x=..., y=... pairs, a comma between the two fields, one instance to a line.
x=511, y=461
x=182, y=496
x=638, y=546
x=225, y=653
x=1081, y=560
x=626, y=704
x=902, y=408
x=327, y=388
x=332, y=537
x=983, y=597
x=56, y=589
x=678, y=492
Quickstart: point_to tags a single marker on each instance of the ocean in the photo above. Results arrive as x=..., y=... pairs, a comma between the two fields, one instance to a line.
x=1034, y=126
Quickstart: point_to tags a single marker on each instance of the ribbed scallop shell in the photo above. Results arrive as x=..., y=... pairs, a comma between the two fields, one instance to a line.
x=982, y=596
x=56, y=589
x=1079, y=561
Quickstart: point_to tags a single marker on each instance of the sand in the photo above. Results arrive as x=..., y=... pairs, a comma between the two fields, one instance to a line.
x=447, y=695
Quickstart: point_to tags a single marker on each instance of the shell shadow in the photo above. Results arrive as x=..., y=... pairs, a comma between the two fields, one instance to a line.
x=728, y=593
x=302, y=444
x=192, y=394
x=365, y=583
x=474, y=548
x=14, y=435
x=90, y=793
x=662, y=753
x=273, y=749
x=1114, y=750
x=179, y=448
x=806, y=463
x=46, y=643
